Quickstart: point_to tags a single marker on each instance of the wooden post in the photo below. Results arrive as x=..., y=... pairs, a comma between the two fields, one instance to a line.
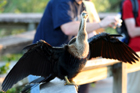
x=31, y=27
x=119, y=78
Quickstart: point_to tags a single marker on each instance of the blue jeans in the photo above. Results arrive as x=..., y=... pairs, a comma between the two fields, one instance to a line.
x=34, y=89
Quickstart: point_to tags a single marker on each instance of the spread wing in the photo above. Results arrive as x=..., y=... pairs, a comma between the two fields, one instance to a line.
x=107, y=46
x=36, y=61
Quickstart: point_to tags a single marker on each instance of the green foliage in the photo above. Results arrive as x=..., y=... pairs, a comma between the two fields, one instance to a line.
x=5, y=32
x=101, y=5
x=2, y=4
x=11, y=57
x=25, y=6
x=38, y=6
x=13, y=90
x=115, y=5
x=107, y=5
x=4, y=68
x=8, y=58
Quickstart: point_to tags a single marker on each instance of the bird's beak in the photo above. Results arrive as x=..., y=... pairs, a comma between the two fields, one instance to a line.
x=85, y=14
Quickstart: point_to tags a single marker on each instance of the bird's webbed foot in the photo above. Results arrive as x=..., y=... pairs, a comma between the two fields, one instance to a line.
x=70, y=82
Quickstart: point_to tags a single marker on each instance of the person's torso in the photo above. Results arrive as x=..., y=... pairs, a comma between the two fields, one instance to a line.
x=134, y=43
x=56, y=14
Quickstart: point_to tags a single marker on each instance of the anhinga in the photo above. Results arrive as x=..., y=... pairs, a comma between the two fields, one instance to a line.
x=65, y=62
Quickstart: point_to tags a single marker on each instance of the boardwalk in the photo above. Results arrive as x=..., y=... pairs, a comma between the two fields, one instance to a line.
x=103, y=86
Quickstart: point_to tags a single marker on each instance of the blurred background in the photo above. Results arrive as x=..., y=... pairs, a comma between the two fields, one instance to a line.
x=38, y=6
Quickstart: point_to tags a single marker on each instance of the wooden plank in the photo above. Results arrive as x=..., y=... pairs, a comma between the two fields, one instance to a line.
x=120, y=79
x=99, y=62
x=23, y=17
x=13, y=26
x=88, y=76
x=57, y=86
x=133, y=67
x=15, y=43
x=94, y=70
x=92, y=75
x=33, y=17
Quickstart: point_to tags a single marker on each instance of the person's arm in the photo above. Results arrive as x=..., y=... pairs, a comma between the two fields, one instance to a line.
x=133, y=31
x=71, y=28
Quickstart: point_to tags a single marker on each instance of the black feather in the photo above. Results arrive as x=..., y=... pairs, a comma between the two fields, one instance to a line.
x=116, y=48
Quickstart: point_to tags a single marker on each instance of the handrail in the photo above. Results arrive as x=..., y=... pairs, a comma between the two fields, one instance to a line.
x=15, y=43
x=98, y=69
x=28, y=21
x=32, y=17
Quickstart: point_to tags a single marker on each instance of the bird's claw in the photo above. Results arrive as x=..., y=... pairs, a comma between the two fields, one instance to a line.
x=71, y=83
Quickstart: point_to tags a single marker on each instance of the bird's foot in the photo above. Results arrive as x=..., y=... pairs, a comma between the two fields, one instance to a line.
x=70, y=83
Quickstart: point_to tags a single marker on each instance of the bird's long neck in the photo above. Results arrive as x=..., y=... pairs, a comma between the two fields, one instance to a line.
x=81, y=45
x=82, y=34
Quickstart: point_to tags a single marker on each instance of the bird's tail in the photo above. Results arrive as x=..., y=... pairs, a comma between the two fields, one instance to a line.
x=35, y=83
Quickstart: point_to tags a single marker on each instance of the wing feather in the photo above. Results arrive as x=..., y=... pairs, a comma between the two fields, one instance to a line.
x=104, y=50
x=129, y=55
x=96, y=47
x=114, y=52
x=107, y=46
x=119, y=51
x=36, y=61
x=111, y=49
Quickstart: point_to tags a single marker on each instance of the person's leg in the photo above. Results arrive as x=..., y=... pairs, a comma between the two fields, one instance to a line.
x=36, y=89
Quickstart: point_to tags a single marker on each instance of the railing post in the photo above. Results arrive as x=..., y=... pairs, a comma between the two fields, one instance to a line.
x=119, y=78
x=31, y=26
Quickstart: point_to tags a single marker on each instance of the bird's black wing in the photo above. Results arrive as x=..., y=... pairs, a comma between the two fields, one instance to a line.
x=108, y=46
x=36, y=61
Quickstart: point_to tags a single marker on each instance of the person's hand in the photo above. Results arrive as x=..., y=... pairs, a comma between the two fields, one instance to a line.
x=109, y=21
x=91, y=34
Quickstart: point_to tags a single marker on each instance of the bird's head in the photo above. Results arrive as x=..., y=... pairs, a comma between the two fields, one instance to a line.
x=84, y=15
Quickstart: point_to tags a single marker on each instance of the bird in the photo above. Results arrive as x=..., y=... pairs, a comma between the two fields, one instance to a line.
x=42, y=59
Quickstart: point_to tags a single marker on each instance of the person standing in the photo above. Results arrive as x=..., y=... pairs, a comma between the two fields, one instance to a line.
x=133, y=28
x=61, y=20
